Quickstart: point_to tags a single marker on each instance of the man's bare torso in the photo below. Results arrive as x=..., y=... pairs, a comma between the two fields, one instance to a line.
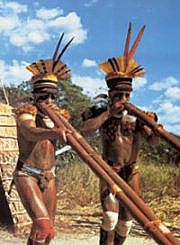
x=40, y=154
x=120, y=141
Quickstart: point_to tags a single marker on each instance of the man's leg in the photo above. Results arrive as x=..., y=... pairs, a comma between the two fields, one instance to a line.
x=50, y=198
x=118, y=239
x=106, y=237
x=122, y=230
x=110, y=206
x=31, y=196
x=124, y=223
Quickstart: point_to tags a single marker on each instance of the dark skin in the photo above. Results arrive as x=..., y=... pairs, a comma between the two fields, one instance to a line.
x=123, y=148
x=37, y=149
x=29, y=134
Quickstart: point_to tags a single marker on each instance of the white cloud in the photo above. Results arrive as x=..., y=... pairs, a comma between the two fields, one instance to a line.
x=71, y=24
x=173, y=93
x=175, y=128
x=80, y=35
x=37, y=36
x=34, y=24
x=26, y=32
x=168, y=115
x=16, y=7
x=47, y=14
x=158, y=99
x=91, y=86
x=14, y=73
x=139, y=82
x=90, y=3
x=169, y=112
x=89, y=63
x=8, y=23
x=164, y=84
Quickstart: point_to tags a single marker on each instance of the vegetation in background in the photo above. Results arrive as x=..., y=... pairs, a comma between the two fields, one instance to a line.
x=78, y=185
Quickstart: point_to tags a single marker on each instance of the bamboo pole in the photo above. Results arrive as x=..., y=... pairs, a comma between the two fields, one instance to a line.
x=119, y=181
x=154, y=227
x=153, y=125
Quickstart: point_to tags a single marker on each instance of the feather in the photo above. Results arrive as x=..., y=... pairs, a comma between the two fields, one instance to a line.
x=137, y=71
x=126, y=50
x=105, y=66
x=61, y=54
x=131, y=65
x=134, y=47
x=112, y=64
x=49, y=65
x=121, y=63
x=116, y=64
x=57, y=48
x=34, y=68
x=40, y=66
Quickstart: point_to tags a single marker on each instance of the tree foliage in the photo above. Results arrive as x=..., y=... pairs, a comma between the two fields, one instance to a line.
x=70, y=97
x=13, y=93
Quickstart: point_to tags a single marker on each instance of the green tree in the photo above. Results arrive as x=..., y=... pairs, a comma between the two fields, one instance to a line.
x=13, y=93
x=71, y=98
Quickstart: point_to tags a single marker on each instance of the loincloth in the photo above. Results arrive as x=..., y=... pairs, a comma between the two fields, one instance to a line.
x=43, y=177
x=127, y=171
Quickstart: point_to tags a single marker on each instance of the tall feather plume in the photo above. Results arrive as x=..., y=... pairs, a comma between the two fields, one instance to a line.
x=134, y=47
x=61, y=54
x=125, y=66
x=57, y=48
x=46, y=68
x=126, y=50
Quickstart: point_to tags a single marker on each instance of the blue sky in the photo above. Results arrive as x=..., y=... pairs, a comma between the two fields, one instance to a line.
x=29, y=31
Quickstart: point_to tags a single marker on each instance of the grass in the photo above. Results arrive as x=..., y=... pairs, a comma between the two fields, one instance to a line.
x=159, y=180
x=79, y=187
x=160, y=186
x=78, y=183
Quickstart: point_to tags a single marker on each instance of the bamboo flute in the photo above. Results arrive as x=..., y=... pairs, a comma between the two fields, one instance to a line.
x=120, y=182
x=153, y=226
x=153, y=125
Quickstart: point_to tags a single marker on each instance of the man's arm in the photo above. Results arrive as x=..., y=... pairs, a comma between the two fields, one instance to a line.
x=27, y=126
x=151, y=137
x=149, y=134
x=90, y=125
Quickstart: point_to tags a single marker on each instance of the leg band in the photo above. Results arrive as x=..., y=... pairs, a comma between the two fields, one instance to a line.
x=123, y=227
x=109, y=220
x=42, y=231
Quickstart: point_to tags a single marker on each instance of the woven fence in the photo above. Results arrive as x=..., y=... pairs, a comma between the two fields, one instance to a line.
x=12, y=213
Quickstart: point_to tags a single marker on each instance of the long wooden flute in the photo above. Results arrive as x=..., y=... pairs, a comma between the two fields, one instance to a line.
x=150, y=223
x=153, y=125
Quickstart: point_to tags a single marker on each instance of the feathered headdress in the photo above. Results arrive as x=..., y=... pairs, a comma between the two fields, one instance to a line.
x=47, y=73
x=120, y=70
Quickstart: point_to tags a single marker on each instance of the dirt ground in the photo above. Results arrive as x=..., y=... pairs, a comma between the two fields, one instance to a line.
x=90, y=241
x=76, y=239
x=78, y=230
x=79, y=226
